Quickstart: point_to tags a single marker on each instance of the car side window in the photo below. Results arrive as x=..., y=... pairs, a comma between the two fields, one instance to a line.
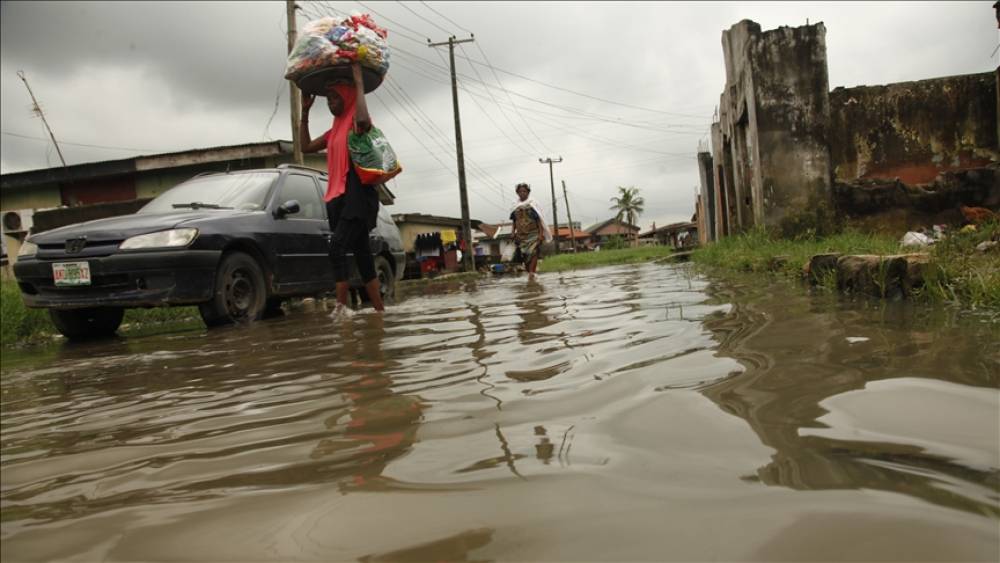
x=302, y=188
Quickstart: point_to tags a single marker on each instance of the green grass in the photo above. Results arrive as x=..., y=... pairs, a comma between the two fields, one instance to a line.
x=756, y=251
x=20, y=325
x=563, y=262
x=960, y=274
x=957, y=274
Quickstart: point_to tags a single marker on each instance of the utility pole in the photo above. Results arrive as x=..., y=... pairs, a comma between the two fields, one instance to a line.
x=293, y=91
x=467, y=261
x=38, y=109
x=572, y=234
x=555, y=215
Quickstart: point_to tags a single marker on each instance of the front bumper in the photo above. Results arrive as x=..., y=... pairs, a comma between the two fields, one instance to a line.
x=134, y=279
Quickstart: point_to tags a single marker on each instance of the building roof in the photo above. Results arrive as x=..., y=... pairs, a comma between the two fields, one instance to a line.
x=402, y=218
x=488, y=230
x=142, y=163
x=498, y=231
x=564, y=232
x=671, y=228
x=594, y=228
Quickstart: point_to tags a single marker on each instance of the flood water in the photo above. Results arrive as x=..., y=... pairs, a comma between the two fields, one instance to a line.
x=622, y=413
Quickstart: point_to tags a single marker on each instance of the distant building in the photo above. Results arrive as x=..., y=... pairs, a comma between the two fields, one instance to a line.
x=674, y=235
x=426, y=238
x=602, y=232
x=497, y=241
x=413, y=224
x=582, y=238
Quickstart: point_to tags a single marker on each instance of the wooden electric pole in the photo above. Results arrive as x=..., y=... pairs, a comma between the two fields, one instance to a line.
x=572, y=233
x=38, y=109
x=293, y=91
x=467, y=257
x=555, y=215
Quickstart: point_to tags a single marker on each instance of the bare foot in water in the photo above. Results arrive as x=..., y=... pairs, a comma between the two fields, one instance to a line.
x=341, y=313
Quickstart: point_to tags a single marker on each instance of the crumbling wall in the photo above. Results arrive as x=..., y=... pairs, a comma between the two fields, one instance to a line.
x=912, y=131
x=791, y=114
x=769, y=145
x=894, y=207
x=706, y=199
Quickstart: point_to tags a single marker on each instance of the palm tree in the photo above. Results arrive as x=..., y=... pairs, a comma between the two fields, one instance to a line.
x=628, y=204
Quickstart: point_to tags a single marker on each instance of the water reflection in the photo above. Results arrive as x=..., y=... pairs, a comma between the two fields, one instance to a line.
x=508, y=419
x=379, y=424
x=454, y=548
x=802, y=352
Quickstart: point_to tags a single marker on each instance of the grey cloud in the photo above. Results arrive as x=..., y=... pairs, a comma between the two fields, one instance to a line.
x=181, y=75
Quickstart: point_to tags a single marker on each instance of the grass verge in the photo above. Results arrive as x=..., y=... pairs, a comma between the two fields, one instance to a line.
x=563, y=262
x=957, y=273
x=20, y=325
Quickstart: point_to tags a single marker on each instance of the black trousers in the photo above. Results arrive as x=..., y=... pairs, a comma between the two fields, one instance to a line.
x=350, y=235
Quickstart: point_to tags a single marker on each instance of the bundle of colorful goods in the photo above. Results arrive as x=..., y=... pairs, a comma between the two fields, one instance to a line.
x=337, y=42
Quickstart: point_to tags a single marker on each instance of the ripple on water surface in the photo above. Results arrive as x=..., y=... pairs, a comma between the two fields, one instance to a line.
x=515, y=410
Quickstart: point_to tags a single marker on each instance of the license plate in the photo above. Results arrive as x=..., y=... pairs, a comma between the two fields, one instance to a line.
x=71, y=273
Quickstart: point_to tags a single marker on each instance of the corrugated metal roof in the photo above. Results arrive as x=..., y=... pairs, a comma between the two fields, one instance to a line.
x=145, y=162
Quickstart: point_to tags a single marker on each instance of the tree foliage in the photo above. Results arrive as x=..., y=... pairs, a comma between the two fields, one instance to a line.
x=629, y=205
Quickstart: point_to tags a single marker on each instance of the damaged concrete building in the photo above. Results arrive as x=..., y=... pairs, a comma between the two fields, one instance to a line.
x=789, y=154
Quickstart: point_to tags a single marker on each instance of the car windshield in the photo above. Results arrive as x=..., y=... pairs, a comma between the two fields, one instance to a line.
x=246, y=191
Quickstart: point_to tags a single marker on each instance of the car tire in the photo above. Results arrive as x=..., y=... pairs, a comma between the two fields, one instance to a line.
x=240, y=296
x=85, y=324
x=386, y=279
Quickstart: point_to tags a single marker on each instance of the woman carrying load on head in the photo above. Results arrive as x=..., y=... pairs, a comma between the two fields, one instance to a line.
x=529, y=227
x=351, y=207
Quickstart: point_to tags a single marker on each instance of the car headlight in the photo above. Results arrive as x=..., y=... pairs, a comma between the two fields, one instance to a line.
x=162, y=239
x=27, y=249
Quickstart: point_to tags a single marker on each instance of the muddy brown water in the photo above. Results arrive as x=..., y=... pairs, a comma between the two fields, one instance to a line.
x=622, y=413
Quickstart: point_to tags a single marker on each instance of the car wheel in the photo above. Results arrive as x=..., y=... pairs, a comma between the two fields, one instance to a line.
x=83, y=324
x=239, y=295
x=386, y=279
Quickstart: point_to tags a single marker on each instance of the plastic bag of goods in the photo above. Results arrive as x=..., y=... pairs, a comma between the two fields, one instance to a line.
x=373, y=158
x=326, y=47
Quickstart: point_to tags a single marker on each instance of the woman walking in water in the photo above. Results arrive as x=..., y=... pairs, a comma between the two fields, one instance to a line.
x=529, y=228
x=351, y=207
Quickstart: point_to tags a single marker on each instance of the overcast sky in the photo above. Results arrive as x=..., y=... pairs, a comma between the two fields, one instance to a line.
x=622, y=91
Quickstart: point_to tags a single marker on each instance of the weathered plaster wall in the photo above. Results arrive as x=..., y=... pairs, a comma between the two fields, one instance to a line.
x=770, y=150
x=914, y=130
x=791, y=115
x=721, y=185
x=706, y=200
x=738, y=124
x=37, y=197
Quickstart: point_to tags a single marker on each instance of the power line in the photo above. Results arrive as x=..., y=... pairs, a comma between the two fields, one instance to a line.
x=567, y=90
x=605, y=100
x=80, y=144
x=423, y=18
x=446, y=18
x=504, y=114
x=411, y=30
x=403, y=105
x=574, y=113
x=494, y=69
x=509, y=99
x=407, y=99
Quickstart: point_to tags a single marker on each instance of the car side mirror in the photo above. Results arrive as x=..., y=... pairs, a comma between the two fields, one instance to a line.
x=290, y=207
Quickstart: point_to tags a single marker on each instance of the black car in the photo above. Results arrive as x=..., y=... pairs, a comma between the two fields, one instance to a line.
x=234, y=243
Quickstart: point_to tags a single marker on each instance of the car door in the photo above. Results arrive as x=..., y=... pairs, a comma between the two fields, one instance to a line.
x=301, y=239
